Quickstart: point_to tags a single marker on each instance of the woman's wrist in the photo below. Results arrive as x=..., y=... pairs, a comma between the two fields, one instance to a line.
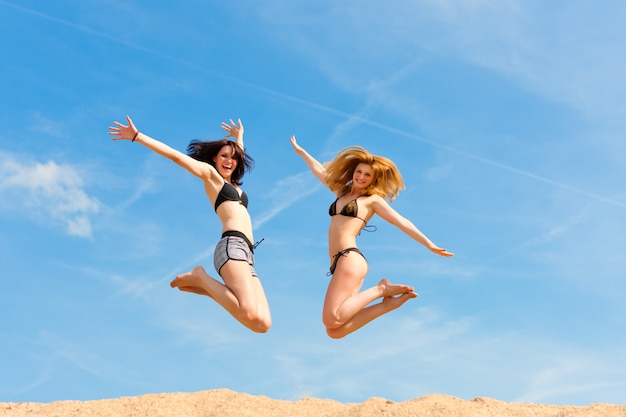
x=135, y=137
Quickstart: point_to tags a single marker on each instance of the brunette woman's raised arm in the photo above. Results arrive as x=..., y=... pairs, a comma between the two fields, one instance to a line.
x=234, y=131
x=130, y=132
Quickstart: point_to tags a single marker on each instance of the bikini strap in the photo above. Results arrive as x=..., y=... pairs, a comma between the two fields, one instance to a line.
x=369, y=228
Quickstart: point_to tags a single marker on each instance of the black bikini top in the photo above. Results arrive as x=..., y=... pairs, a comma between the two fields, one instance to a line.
x=350, y=209
x=230, y=193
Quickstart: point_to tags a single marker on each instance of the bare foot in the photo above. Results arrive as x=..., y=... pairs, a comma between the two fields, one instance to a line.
x=389, y=289
x=191, y=281
x=195, y=290
x=394, y=302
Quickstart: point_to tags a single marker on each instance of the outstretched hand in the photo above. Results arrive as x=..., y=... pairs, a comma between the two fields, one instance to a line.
x=234, y=130
x=295, y=145
x=441, y=252
x=123, y=132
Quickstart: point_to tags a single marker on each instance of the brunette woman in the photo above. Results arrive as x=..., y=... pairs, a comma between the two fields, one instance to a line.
x=220, y=166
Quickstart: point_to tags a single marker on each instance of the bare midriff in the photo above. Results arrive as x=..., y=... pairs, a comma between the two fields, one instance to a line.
x=342, y=233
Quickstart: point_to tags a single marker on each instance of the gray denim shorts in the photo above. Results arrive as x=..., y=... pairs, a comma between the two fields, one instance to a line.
x=233, y=248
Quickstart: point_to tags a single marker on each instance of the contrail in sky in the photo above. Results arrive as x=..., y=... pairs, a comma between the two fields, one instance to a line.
x=320, y=107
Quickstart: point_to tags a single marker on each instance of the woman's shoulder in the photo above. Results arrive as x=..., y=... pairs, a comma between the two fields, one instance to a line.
x=374, y=200
x=371, y=197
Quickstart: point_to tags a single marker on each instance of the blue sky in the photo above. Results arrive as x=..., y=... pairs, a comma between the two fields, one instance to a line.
x=506, y=119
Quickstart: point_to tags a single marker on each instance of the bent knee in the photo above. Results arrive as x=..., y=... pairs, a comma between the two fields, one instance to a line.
x=335, y=332
x=256, y=322
x=331, y=321
x=261, y=325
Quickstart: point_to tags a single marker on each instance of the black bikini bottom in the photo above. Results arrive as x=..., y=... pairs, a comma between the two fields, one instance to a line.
x=344, y=252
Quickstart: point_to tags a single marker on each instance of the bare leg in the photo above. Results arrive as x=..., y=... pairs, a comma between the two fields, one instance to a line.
x=346, y=306
x=252, y=309
x=242, y=296
x=354, y=304
x=368, y=314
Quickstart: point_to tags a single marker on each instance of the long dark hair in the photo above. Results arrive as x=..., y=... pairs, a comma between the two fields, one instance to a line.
x=205, y=151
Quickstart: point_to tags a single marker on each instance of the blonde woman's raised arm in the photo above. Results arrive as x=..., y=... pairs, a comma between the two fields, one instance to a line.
x=314, y=165
x=385, y=211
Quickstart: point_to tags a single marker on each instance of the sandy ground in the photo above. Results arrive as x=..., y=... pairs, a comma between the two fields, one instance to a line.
x=226, y=403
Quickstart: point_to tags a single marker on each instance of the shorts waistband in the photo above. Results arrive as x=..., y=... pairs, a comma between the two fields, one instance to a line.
x=238, y=234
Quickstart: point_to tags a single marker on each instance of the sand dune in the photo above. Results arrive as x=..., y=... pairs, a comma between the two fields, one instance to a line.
x=226, y=403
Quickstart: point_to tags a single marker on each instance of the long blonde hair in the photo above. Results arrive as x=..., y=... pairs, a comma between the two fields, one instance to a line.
x=387, y=181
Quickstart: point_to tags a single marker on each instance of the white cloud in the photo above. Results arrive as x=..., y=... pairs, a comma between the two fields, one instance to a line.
x=48, y=192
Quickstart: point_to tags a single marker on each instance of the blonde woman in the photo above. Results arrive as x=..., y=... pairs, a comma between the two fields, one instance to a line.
x=220, y=165
x=363, y=184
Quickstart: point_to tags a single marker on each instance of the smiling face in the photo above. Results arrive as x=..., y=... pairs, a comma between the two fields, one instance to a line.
x=224, y=161
x=362, y=177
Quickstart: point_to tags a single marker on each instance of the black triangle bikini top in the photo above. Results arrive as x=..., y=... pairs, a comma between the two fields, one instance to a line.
x=230, y=193
x=350, y=209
